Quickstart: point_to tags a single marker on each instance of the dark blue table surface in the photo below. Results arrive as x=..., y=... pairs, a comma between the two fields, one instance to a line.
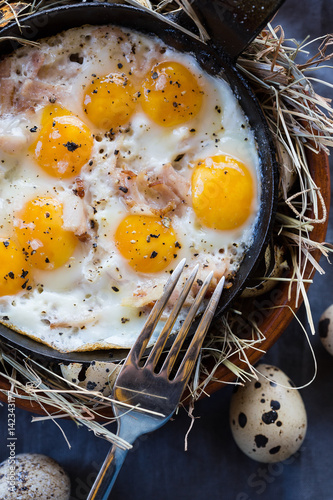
x=213, y=467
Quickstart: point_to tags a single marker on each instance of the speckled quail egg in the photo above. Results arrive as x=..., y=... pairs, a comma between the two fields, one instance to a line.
x=98, y=376
x=32, y=476
x=325, y=328
x=267, y=416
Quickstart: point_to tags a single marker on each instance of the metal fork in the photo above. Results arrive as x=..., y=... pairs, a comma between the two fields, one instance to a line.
x=153, y=393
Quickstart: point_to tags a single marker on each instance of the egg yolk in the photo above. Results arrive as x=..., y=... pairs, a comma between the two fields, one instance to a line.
x=14, y=272
x=109, y=101
x=170, y=94
x=64, y=144
x=148, y=243
x=39, y=229
x=222, y=192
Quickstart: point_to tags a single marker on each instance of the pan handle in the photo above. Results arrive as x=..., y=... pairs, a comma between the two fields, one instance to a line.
x=232, y=24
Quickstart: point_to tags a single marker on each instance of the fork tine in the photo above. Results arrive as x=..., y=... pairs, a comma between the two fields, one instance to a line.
x=176, y=346
x=164, y=335
x=140, y=345
x=190, y=357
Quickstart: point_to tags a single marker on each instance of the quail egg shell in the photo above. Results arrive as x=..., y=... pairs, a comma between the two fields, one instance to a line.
x=267, y=416
x=98, y=376
x=325, y=328
x=33, y=476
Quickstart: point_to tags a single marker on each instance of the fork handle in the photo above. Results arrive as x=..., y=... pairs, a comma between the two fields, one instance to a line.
x=114, y=460
x=108, y=473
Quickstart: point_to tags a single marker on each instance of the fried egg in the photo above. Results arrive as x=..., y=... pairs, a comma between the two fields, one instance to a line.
x=119, y=156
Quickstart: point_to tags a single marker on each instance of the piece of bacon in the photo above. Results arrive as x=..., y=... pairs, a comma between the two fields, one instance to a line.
x=34, y=92
x=5, y=68
x=75, y=218
x=7, y=92
x=21, y=92
x=175, y=181
x=150, y=192
x=79, y=188
x=34, y=63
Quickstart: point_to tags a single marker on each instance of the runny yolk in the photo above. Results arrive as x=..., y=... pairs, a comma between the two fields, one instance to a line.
x=39, y=229
x=222, y=192
x=109, y=101
x=171, y=95
x=14, y=274
x=148, y=243
x=64, y=144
